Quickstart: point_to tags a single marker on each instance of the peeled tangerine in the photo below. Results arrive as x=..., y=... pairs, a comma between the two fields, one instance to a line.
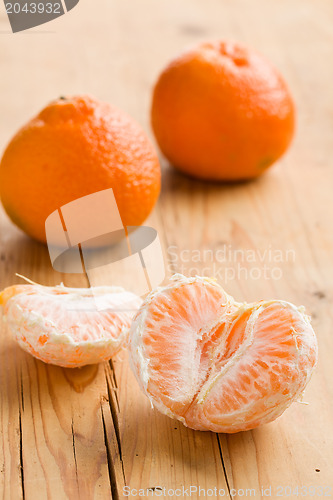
x=215, y=364
x=69, y=327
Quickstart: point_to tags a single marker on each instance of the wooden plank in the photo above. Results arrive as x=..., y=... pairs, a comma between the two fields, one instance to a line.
x=10, y=422
x=284, y=452
x=53, y=419
x=156, y=452
x=87, y=433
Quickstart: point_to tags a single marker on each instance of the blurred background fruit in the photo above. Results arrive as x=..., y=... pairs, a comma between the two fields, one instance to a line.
x=74, y=147
x=222, y=112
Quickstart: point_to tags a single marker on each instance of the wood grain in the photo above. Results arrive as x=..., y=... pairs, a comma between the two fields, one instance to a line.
x=87, y=433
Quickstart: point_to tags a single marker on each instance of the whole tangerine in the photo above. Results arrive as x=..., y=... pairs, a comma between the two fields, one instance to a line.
x=74, y=147
x=221, y=111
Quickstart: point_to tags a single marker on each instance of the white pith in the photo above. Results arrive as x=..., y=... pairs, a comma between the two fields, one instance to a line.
x=27, y=324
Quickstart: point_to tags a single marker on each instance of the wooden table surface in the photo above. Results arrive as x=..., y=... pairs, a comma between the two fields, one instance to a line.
x=85, y=433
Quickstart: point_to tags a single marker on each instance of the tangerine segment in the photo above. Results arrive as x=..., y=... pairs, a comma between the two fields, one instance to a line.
x=268, y=371
x=69, y=327
x=218, y=365
x=172, y=338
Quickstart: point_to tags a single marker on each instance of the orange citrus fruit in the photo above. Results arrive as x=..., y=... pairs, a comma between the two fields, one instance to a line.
x=69, y=327
x=74, y=147
x=215, y=364
x=221, y=111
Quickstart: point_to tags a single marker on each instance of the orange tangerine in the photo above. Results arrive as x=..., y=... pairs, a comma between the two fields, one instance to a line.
x=74, y=147
x=221, y=111
x=69, y=327
x=215, y=364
